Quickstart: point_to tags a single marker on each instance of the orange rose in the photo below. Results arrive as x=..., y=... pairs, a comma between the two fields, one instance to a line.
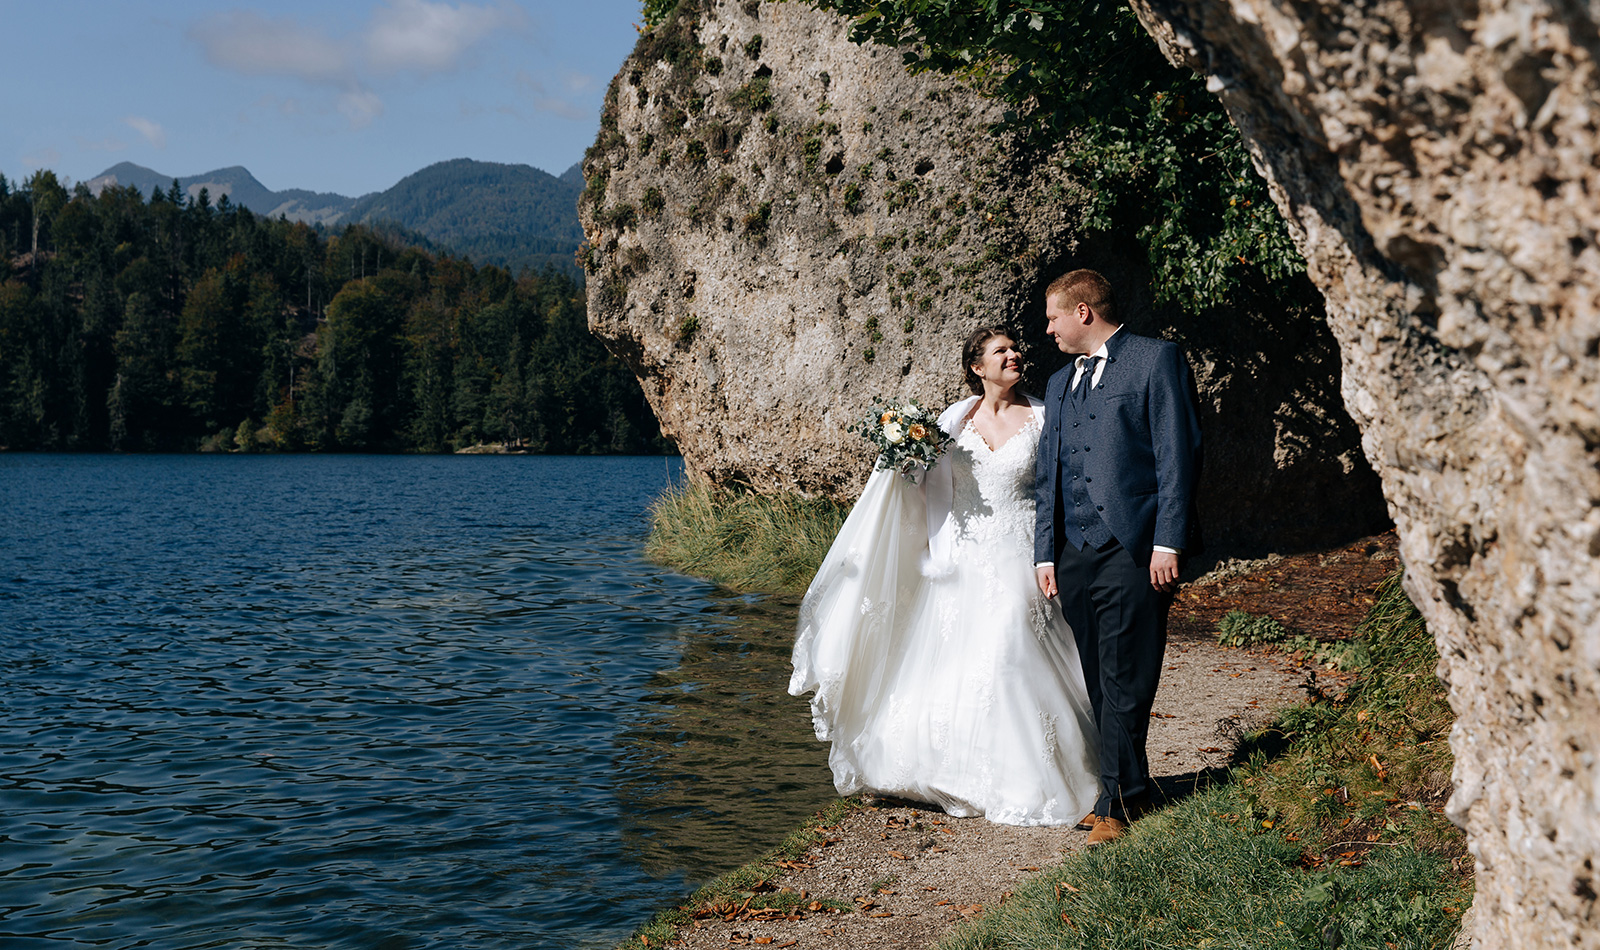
x=886, y=418
x=919, y=432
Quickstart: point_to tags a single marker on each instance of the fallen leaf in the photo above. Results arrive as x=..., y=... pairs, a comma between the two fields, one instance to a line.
x=762, y=940
x=1027, y=867
x=1209, y=748
x=896, y=854
x=814, y=906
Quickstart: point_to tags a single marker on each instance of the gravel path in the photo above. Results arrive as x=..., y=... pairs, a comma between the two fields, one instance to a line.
x=915, y=873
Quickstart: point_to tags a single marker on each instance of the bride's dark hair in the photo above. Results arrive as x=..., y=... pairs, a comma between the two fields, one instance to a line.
x=972, y=352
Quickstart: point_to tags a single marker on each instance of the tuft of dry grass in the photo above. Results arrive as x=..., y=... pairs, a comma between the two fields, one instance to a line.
x=742, y=540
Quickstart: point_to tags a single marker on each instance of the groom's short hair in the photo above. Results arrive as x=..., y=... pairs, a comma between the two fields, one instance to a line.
x=1085, y=286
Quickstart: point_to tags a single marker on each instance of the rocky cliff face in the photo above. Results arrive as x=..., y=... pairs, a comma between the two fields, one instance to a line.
x=1437, y=162
x=783, y=225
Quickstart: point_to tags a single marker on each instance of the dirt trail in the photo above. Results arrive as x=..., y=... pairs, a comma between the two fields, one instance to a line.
x=915, y=873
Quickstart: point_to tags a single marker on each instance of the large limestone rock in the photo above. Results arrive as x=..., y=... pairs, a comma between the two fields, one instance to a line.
x=1438, y=164
x=783, y=225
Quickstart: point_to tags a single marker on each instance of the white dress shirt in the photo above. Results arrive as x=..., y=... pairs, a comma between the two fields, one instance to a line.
x=1099, y=368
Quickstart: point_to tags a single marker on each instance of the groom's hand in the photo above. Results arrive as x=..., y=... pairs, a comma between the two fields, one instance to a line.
x=1164, y=571
x=1047, y=579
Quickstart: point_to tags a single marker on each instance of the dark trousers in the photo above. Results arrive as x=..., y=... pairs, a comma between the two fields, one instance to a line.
x=1120, y=624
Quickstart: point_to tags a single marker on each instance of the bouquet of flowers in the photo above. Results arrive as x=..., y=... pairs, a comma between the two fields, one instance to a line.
x=908, y=437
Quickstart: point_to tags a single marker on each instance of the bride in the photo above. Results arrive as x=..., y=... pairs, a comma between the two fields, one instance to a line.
x=941, y=673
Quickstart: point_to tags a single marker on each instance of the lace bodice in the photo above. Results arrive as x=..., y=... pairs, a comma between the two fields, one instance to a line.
x=993, y=503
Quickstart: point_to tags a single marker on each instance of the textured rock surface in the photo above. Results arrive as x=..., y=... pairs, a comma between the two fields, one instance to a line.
x=1437, y=162
x=784, y=225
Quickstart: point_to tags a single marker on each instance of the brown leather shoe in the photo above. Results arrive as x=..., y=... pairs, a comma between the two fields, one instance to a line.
x=1087, y=822
x=1106, y=830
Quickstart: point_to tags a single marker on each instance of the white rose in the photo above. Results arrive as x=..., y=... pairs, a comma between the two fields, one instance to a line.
x=894, y=433
x=909, y=409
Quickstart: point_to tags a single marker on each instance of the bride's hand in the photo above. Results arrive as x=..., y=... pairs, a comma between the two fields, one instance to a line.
x=1047, y=579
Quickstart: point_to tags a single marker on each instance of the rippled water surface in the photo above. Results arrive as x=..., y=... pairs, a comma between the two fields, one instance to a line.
x=371, y=702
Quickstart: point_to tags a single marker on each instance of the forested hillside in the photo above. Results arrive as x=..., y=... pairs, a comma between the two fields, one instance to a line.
x=515, y=216
x=176, y=324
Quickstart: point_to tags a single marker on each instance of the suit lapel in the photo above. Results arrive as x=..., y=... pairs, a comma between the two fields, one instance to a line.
x=1111, y=374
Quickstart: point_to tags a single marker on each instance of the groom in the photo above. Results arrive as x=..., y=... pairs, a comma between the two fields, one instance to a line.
x=1117, y=466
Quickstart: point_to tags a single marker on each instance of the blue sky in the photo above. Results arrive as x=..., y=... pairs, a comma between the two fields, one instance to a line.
x=348, y=97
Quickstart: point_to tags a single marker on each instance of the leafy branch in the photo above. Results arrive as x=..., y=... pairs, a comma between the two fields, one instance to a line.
x=1082, y=78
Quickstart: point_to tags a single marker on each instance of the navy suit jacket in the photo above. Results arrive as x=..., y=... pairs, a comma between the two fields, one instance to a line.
x=1140, y=439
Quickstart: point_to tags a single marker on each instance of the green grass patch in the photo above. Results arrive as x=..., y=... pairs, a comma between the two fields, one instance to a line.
x=750, y=888
x=1202, y=875
x=1328, y=831
x=742, y=540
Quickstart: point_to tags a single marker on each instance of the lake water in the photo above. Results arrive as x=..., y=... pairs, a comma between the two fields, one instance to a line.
x=372, y=702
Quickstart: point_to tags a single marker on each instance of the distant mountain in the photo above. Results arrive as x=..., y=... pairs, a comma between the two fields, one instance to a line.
x=514, y=216
x=241, y=188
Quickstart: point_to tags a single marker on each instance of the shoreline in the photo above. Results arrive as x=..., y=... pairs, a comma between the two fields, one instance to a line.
x=887, y=875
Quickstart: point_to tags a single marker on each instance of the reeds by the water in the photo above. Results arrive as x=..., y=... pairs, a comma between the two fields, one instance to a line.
x=741, y=540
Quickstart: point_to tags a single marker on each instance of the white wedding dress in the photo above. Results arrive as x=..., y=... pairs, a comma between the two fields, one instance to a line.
x=941, y=674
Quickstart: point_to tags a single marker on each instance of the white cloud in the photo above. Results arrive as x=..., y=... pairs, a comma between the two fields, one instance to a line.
x=431, y=37
x=360, y=106
x=46, y=157
x=152, y=131
x=577, y=82
x=417, y=36
x=108, y=144
x=246, y=42
x=542, y=100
